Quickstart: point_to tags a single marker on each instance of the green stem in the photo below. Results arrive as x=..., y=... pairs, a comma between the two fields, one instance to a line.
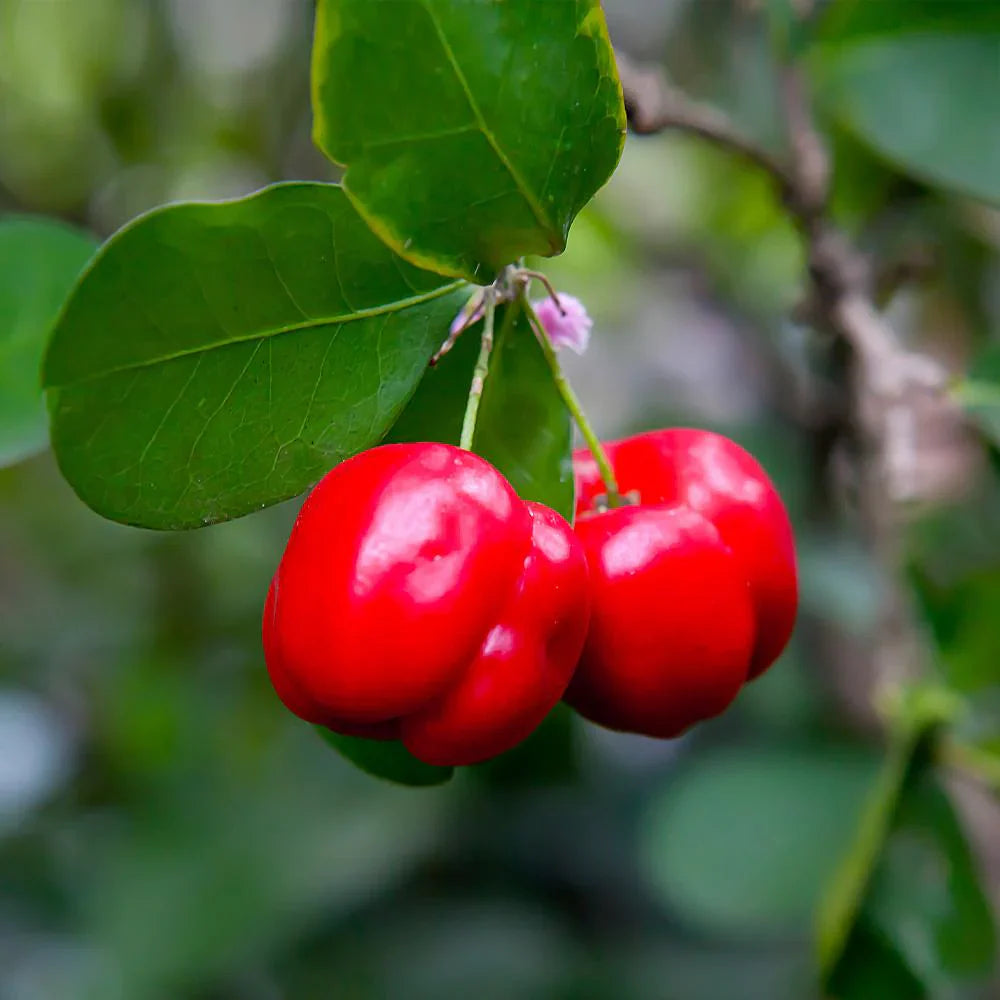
x=573, y=404
x=917, y=716
x=480, y=372
x=839, y=909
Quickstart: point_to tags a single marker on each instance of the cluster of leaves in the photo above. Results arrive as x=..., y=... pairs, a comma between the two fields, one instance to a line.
x=215, y=359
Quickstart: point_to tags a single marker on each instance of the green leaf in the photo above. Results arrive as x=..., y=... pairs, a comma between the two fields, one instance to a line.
x=523, y=427
x=789, y=31
x=963, y=624
x=435, y=410
x=39, y=261
x=217, y=358
x=743, y=841
x=908, y=883
x=954, y=568
x=472, y=133
x=548, y=757
x=924, y=904
x=926, y=898
x=386, y=759
x=845, y=21
x=871, y=968
x=929, y=103
x=918, y=711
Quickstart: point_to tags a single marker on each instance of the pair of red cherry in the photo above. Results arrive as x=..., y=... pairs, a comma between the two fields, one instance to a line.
x=421, y=599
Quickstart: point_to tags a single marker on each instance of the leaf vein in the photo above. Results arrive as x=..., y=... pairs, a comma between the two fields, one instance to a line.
x=536, y=208
x=397, y=305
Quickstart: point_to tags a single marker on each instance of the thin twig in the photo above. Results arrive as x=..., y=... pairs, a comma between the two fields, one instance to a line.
x=573, y=404
x=656, y=105
x=810, y=165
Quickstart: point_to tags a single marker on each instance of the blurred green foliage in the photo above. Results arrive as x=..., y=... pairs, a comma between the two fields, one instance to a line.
x=39, y=261
x=168, y=831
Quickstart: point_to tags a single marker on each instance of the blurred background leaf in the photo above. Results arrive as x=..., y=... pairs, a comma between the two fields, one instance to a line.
x=39, y=261
x=919, y=82
x=925, y=928
x=743, y=843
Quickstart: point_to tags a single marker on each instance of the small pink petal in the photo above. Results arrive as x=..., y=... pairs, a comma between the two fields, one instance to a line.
x=569, y=328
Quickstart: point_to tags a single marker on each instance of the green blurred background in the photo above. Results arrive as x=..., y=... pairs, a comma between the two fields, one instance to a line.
x=168, y=830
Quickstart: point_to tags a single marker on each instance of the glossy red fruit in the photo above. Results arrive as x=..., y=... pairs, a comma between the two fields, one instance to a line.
x=694, y=590
x=419, y=598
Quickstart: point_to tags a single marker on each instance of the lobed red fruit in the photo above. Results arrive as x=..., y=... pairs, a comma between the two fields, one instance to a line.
x=419, y=598
x=693, y=590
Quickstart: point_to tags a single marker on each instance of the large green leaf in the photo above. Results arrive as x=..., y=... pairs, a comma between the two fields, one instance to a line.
x=472, y=133
x=39, y=261
x=743, y=841
x=523, y=427
x=928, y=102
x=217, y=358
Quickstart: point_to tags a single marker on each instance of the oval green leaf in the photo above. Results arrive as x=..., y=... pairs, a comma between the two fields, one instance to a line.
x=386, y=759
x=472, y=133
x=743, y=841
x=39, y=261
x=523, y=427
x=218, y=358
x=930, y=103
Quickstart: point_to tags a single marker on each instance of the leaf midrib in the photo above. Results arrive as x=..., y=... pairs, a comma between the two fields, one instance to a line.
x=536, y=209
x=397, y=305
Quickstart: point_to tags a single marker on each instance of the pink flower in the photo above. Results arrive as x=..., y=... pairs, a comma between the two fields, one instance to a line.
x=567, y=328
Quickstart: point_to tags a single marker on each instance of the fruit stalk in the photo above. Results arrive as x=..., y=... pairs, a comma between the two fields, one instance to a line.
x=575, y=407
x=480, y=372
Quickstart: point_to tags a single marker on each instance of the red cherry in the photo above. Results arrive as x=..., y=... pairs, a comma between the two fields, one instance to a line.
x=717, y=478
x=693, y=589
x=672, y=624
x=420, y=598
x=526, y=659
